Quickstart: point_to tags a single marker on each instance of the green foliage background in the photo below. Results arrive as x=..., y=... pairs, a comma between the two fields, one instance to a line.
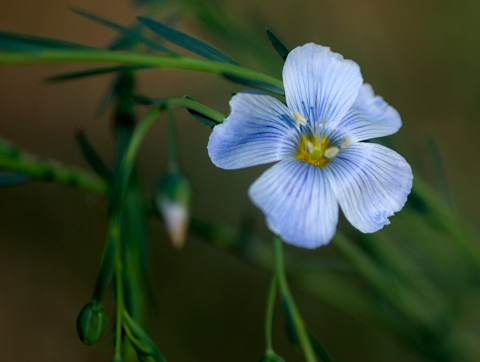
x=421, y=56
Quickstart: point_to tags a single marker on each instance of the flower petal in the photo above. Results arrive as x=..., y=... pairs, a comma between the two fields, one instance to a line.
x=258, y=130
x=320, y=84
x=298, y=203
x=370, y=182
x=369, y=117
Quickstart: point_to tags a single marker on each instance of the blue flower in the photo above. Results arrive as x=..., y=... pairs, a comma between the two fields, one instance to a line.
x=317, y=137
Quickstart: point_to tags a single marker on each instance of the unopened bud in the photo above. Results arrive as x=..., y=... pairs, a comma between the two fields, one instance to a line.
x=91, y=322
x=173, y=201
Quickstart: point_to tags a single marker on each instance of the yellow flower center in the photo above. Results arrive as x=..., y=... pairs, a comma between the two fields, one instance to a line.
x=316, y=152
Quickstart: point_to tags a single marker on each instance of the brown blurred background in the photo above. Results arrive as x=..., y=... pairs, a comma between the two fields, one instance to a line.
x=423, y=57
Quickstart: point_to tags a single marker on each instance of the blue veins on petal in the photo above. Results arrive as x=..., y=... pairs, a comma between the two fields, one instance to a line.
x=320, y=84
x=317, y=139
x=298, y=201
x=369, y=117
x=370, y=182
x=258, y=130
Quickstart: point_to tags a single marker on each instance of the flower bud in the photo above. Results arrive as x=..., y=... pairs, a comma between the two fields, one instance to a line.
x=91, y=322
x=172, y=200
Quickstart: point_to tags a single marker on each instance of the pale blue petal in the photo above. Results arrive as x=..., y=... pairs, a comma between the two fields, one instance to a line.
x=258, y=130
x=370, y=182
x=320, y=84
x=370, y=117
x=298, y=203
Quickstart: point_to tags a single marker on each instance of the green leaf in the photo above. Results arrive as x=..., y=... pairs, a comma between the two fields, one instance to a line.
x=277, y=44
x=254, y=84
x=28, y=43
x=186, y=41
x=95, y=71
x=13, y=178
x=128, y=33
x=92, y=157
x=318, y=348
x=202, y=118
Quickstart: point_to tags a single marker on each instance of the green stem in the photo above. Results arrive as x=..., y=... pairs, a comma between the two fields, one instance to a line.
x=172, y=141
x=131, y=58
x=128, y=161
x=283, y=286
x=118, y=267
x=269, y=314
x=125, y=172
x=53, y=171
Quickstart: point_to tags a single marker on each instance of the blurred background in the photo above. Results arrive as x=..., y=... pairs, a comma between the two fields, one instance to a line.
x=422, y=56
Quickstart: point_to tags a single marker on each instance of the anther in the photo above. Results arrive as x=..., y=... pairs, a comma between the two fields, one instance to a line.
x=331, y=152
x=299, y=119
x=309, y=146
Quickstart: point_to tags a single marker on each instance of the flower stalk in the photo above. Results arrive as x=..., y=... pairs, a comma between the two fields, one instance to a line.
x=269, y=313
x=297, y=320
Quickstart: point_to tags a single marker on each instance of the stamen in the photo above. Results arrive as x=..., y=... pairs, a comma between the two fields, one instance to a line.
x=331, y=152
x=309, y=146
x=345, y=142
x=299, y=119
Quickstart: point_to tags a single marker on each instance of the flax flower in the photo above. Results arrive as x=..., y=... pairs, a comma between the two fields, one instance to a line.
x=317, y=139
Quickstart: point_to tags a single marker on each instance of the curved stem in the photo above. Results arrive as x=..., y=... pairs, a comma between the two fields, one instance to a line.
x=128, y=161
x=172, y=141
x=283, y=286
x=131, y=58
x=269, y=315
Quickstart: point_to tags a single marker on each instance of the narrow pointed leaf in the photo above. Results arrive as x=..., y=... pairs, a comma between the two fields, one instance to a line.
x=202, y=118
x=128, y=33
x=210, y=123
x=92, y=157
x=186, y=41
x=94, y=71
x=255, y=84
x=13, y=178
x=277, y=44
x=28, y=43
